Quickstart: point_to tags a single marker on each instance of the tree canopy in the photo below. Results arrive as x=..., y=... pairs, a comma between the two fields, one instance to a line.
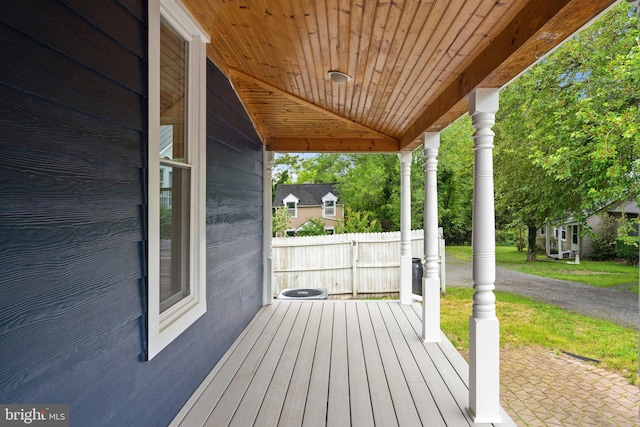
x=567, y=140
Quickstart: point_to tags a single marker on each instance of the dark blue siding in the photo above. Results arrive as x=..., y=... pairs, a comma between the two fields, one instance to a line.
x=72, y=227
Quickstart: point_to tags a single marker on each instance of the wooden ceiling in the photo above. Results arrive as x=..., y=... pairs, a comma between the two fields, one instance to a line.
x=413, y=63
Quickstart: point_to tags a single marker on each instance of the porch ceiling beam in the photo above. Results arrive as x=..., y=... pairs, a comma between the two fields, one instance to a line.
x=512, y=51
x=326, y=145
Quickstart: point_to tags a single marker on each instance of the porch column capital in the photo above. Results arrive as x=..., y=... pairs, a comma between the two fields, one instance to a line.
x=406, y=289
x=431, y=141
x=431, y=276
x=483, y=101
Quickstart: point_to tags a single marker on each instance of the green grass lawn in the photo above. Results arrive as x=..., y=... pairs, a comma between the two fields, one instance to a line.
x=603, y=274
x=524, y=322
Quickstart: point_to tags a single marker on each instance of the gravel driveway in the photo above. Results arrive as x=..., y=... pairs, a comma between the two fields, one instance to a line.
x=618, y=306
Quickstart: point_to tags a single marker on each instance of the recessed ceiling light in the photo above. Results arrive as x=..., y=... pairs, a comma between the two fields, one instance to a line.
x=338, y=77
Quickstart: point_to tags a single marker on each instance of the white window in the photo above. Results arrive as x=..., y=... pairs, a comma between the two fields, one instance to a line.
x=292, y=209
x=177, y=87
x=329, y=205
x=329, y=208
x=291, y=203
x=563, y=233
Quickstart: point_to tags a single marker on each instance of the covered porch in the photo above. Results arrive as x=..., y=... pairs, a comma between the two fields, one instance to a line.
x=386, y=78
x=335, y=363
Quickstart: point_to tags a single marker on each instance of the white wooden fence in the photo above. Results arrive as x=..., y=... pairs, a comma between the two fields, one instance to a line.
x=371, y=261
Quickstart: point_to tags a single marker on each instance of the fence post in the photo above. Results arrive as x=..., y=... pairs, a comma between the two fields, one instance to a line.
x=354, y=266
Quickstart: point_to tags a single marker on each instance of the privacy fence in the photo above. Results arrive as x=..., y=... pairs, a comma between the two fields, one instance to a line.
x=352, y=264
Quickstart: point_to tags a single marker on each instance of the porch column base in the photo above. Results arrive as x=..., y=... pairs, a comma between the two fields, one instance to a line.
x=431, y=309
x=484, y=370
x=406, y=284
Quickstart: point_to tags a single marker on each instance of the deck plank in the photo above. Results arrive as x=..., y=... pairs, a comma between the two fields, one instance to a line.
x=334, y=363
x=270, y=382
x=315, y=409
x=359, y=391
x=459, y=389
x=406, y=411
x=338, y=410
x=232, y=397
x=445, y=401
x=292, y=410
x=199, y=407
x=422, y=395
x=383, y=410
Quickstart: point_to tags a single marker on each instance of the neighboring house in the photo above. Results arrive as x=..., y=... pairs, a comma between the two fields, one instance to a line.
x=566, y=240
x=306, y=201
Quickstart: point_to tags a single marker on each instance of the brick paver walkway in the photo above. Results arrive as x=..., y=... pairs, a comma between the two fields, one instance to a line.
x=541, y=388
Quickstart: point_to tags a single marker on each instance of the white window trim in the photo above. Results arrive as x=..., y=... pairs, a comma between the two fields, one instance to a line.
x=291, y=199
x=329, y=197
x=164, y=328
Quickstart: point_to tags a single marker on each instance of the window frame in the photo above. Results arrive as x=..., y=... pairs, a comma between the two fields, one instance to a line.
x=291, y=199
x=163, y=328
x=329, y=197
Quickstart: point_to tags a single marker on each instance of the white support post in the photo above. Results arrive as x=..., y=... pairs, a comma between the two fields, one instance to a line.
x=443, y=265
x=267, y=228
x=406, y=289
x=431, y=277
x=484, y=329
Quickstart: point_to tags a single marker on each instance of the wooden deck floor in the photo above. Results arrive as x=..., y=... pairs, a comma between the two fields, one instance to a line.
x=337, y=363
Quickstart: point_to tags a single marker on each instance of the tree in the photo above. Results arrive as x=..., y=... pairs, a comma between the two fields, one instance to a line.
x=372, y=184
x=280, y=221
x=313, y=227
x=357, y=222
x=285, y=169
x=567, y=130
x=323, y=168
x=455, y=181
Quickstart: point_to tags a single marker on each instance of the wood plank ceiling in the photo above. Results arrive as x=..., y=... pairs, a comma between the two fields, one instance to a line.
x=412, y=62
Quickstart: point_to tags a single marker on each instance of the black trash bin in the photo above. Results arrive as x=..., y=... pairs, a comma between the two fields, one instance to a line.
x=416, y=276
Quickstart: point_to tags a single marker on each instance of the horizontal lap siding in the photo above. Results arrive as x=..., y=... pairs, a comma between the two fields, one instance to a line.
x=72, y=204
x=72, y=218
x=234, y=211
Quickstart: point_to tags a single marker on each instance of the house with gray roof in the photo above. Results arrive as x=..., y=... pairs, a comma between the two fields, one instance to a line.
x=306, y=201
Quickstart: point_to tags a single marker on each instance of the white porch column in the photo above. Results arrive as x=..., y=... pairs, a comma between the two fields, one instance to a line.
x=267, y=252
x=484, y=330
x=406, y=289
x=431, y=277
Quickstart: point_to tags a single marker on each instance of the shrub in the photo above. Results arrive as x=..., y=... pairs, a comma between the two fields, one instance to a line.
x=541, y=245
x=604, y=242
x=358, y=222
x=313, y=227
x=627, y=250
